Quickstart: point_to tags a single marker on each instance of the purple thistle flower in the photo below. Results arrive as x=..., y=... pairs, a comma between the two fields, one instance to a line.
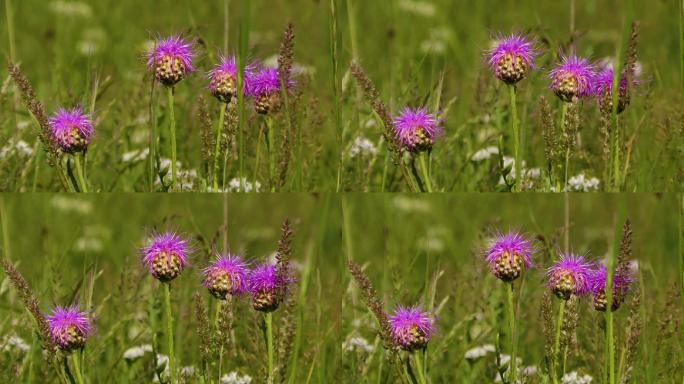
x=268, y=289
x=171, y=59
x=263, y=86
x=416, y=129
x=69, y=327
x=508, y=254
x=569, y=276
x=223, y=79
x=512, y=58
x=166, y=255
x=622, y=279
x=227, y=275
x=411, y=328
x=72, y=129
x=603, y=88
x=572, y=79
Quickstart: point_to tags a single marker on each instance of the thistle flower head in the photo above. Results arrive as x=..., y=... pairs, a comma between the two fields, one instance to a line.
x=267, y=288
x=166, y=255
x=569, y=276
x=416, y=129
x=223, y=79
x=411, y=328
x=508, y=254
x=171, y=59
x=227, y=275
x=71, y=129
x=572, y=78
x=512, y=58
x=622, y=279
x=264, y=88
x=69, y=327
x=603, y=88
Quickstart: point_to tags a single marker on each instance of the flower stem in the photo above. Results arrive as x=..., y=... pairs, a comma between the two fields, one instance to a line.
x=172, y=131
x=516, y=138
x=77, y=368
x=269, y=344
x=556, y=346
x=217, y=147
x=511, y=334
x=425, y=172
x=169, y=332
x=216, y=329
x=420, y=369
x=258, y=157
x=79, y=174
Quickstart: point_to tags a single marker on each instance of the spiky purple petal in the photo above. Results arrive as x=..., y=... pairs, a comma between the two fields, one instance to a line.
x=572, y=79
x=166, y=255
x=508, y=254
x=411, y=328
x=416, y=129
x=512, y=58
x=569, y=276
x=69, y=327
x=72, y=129
x=227, y=275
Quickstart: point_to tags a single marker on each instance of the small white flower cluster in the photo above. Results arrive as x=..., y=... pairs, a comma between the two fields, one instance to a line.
x=484, y=153
x=185, y=178
x=528, y=174
x=20, y=148
x=135, y=155
x=362, y=146
x=575, y=378
x=479, y=351
x=134, y=353
x=11, y=343
x=357, y=344
x=581, y=183
x=235, y=378
x=234, y=185
x=439, y=40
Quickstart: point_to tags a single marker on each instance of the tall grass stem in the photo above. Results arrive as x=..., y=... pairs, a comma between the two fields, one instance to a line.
x=217, y=147
x=172, y=132
x=169, y=332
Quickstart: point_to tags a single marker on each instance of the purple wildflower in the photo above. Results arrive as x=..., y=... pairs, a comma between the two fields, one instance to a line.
x=264, y=87
x=508, y=254
x=69, y=327
x=223, y=79
x=166, y=256
x=622, y=279
x=267, y=288
x=411, y=328
x=72, y=129
x=512, y=58
x=569, y=276
x=226, y=276
x=572, y=78
x=603, y=88
x=416, y=129
x=171, y=59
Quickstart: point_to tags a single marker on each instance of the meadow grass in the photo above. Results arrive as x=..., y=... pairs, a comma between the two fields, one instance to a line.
x=418, y=53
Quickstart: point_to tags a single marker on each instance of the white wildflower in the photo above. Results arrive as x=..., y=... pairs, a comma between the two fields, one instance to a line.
x=234, y=185
x=411, y=205
x=479, y=351
x=357, y=344
x=137, y=352
x=135, y=155
x=484, y=153
x=362, y=146
x=575, y=378
x=580, y=183
x=235, y=378
x=13, y=342
x=71, y=205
